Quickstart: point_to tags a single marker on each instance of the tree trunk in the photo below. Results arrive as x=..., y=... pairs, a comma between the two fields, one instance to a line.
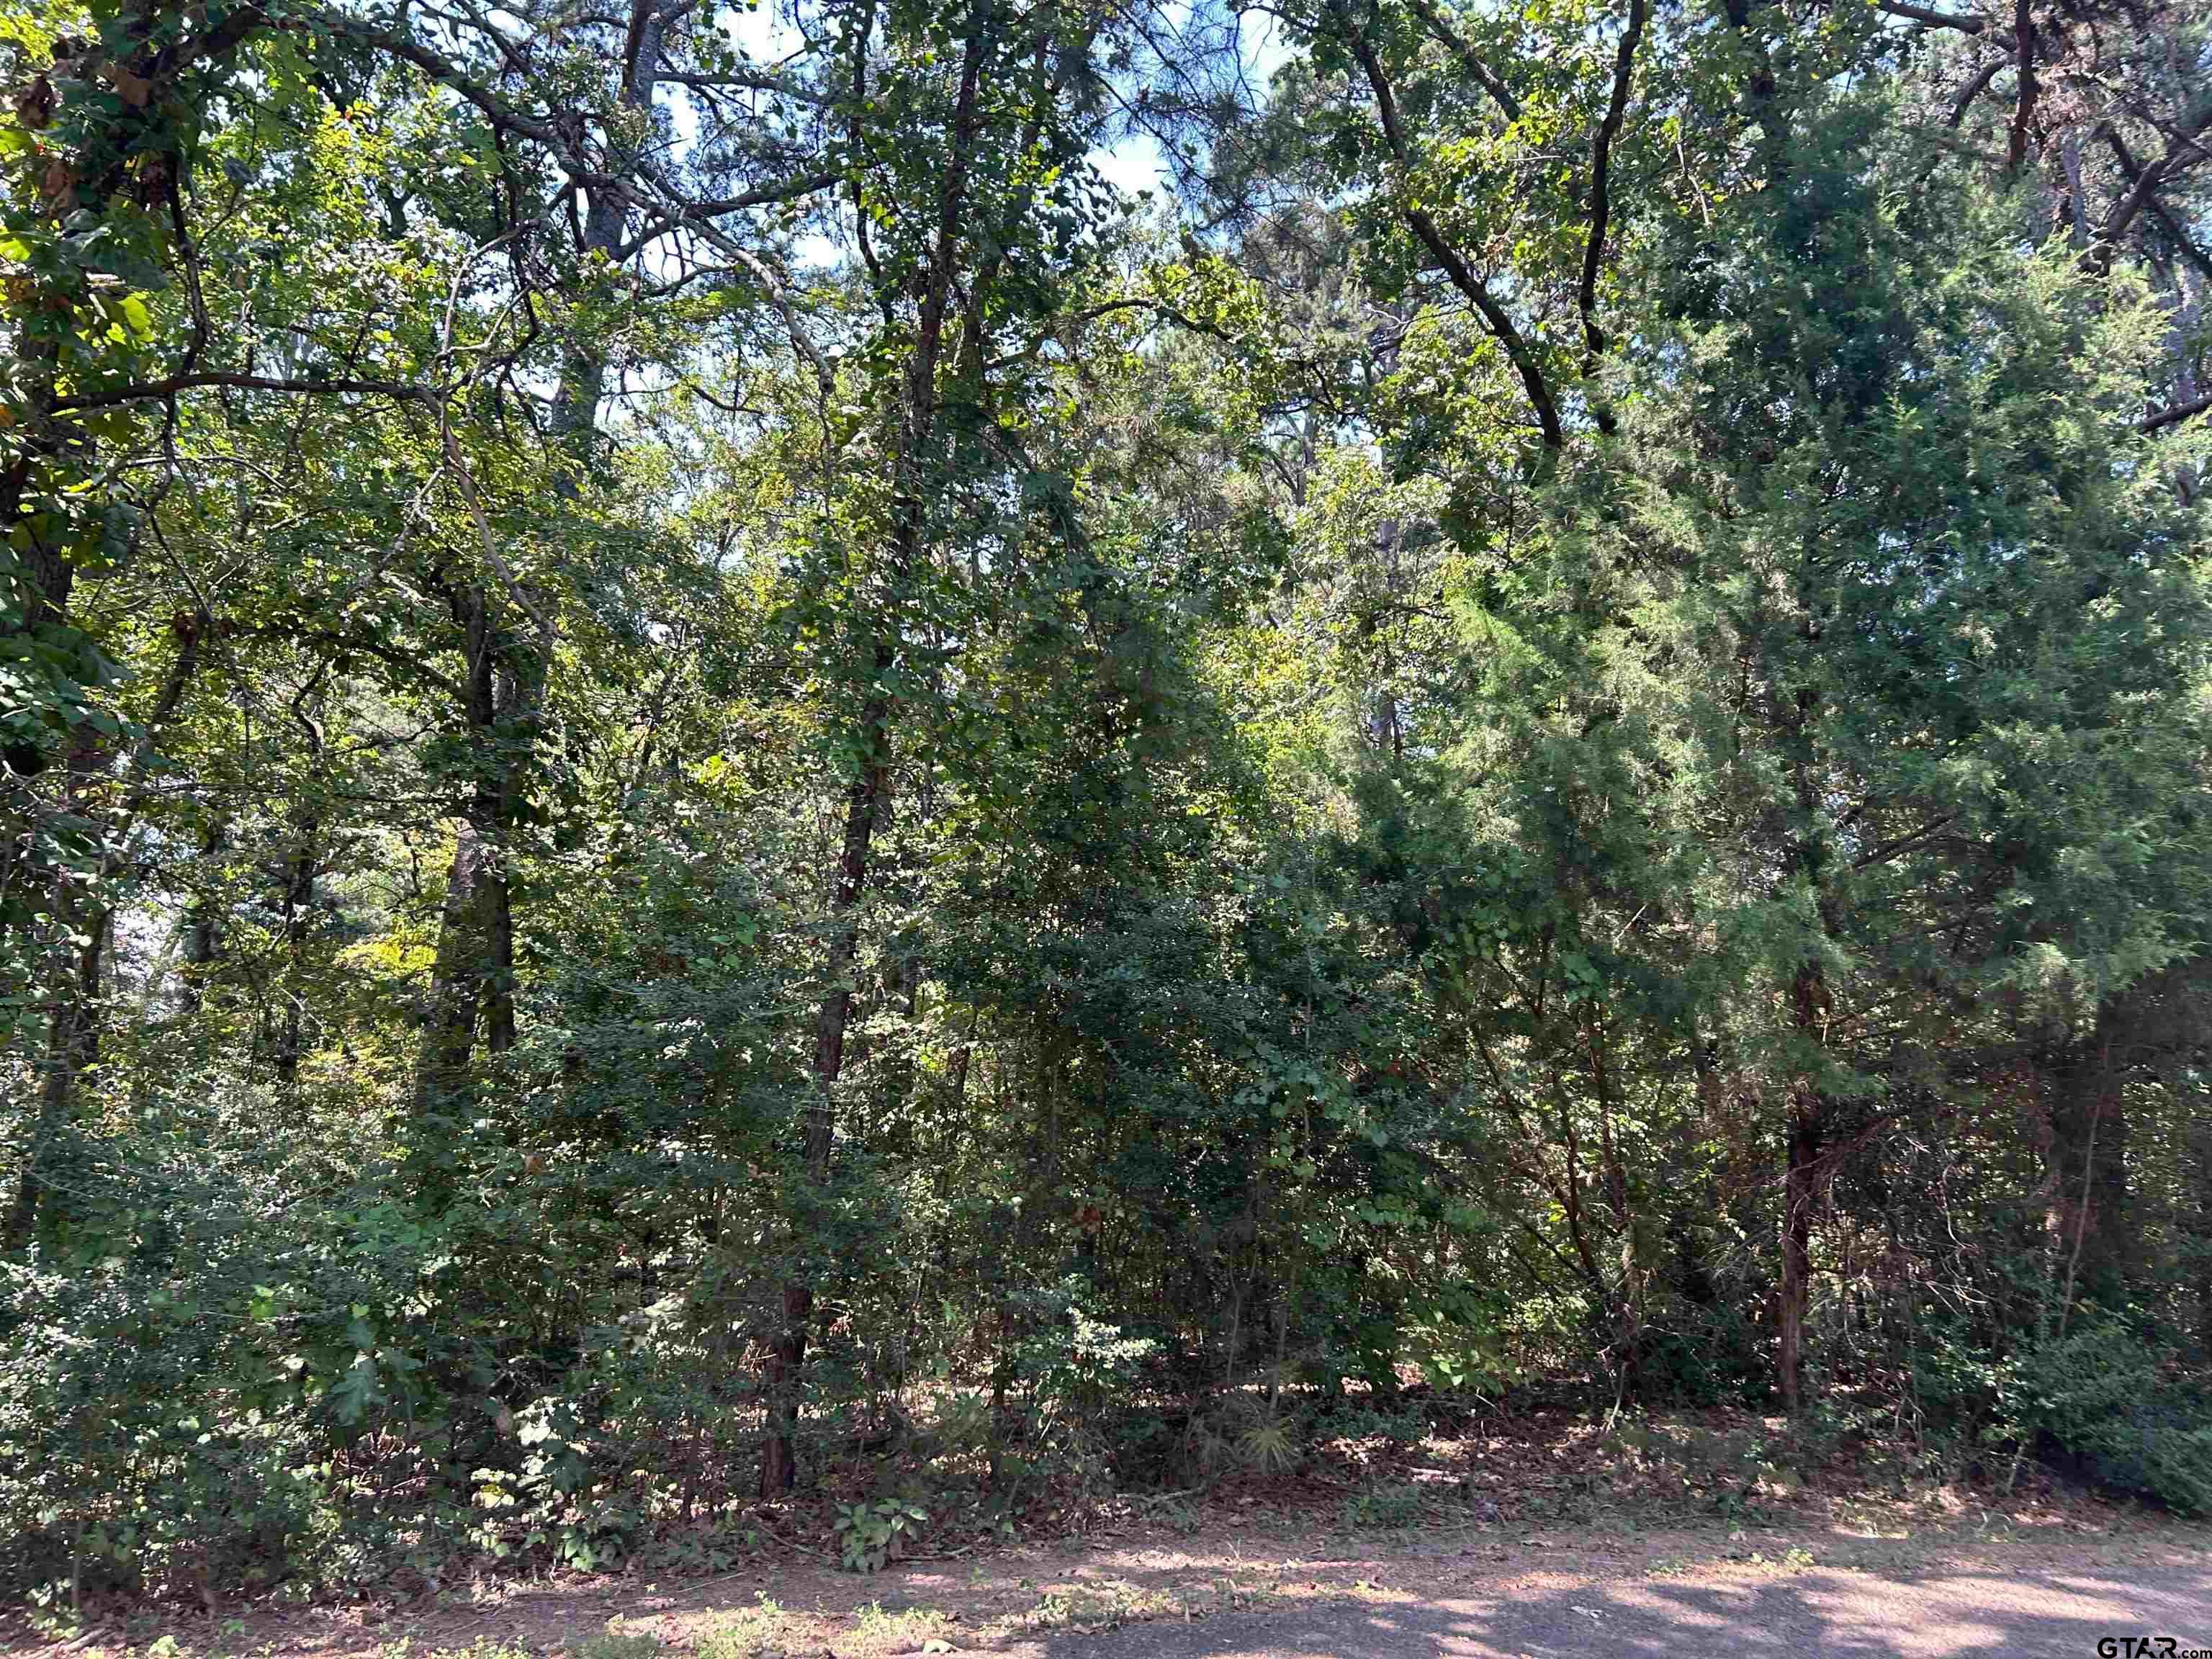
x=868, y=800
x=82, y=922
x=1812, y=1003
x=2201, y=1135
x=203, y=925
x=72, y=1046
x=1798, y=1192
x=1628, y=1306
x=442, y=1071
x=473, y=978
x=299, y=912
x=466, y=925
x=787, y=1357
x=2088, y=1178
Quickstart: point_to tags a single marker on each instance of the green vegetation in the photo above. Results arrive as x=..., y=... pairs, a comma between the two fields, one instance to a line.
x=720, y=779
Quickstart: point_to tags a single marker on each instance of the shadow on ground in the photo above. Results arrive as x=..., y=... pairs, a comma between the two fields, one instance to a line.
x=2034, y=1613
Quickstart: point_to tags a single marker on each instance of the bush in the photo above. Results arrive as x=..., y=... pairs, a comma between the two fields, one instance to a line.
x=182, y=1374
x=2119, y=1404
x=1075, y=1375
x=127, y=1457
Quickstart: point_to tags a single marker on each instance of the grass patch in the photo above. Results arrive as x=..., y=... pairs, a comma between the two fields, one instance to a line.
x=908, y=1630
x=764, y=1631
x=616, y=1642
x=1090, y=1607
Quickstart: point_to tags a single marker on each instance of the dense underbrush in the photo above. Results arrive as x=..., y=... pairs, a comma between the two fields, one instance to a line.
x=167, y=1440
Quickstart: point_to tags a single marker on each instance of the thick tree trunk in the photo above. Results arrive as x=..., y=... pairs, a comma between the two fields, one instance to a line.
x=473, y=977
x=41, y=594
x=449, y=1032
x=473, y=974
x=779, y=1470
x=463, y=966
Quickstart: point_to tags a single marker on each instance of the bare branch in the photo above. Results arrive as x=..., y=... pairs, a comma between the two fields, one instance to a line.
x=1600, y=205
x=447, y=74
x=1964, y=23
x=2147, y=182
x=691, y=213
x=1973, y=89
x=2174, y=414
x=2184, y=245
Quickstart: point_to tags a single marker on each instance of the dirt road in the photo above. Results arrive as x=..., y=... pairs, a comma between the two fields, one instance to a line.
x=1242, y=1588
x=2045, y=1611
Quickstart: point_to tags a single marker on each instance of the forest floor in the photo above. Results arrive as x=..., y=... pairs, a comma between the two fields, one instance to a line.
x=1537, y=1537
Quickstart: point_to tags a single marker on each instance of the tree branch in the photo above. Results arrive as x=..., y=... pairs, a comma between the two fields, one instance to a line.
x=1964, y=23
x=1973, y=89
x=445, y=73
x=161, y=391
x=1601, y=206
x=2173, y=414
x=1462, y=275
x=2133, y=170
x=1469, y=59
x=691, y=213
x=2124, y=210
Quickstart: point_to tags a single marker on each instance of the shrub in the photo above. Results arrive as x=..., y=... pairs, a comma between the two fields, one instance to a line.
x=2119, y=1404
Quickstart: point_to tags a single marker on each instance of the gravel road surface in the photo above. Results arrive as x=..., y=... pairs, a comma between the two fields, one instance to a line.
x=2046, y=1614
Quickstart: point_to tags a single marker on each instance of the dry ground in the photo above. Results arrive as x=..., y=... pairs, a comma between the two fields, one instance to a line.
x=1696, y=1536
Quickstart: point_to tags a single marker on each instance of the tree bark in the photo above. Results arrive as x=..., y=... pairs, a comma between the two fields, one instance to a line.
x=72, y=1047
x=299, y=869
x=2088, y=1172
x=81, y=923
x=2023, y=113
x=473, y=978
x=867, y=801
x=1628, y=1305
x=464, y=965
x=1799, y=1191
x=203, y=925
x=2201, y=1158
x=1811, y=1005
